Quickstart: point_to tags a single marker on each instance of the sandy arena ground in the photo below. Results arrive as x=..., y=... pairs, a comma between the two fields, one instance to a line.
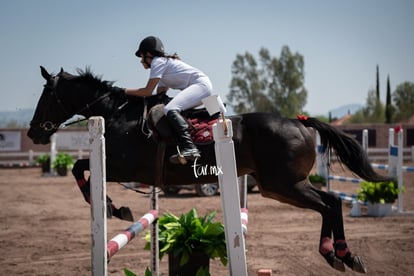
x=45, y=230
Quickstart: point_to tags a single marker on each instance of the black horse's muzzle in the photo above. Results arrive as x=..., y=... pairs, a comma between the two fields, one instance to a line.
x=40, y=132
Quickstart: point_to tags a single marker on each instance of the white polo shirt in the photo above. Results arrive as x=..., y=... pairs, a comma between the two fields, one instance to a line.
x=174, y=73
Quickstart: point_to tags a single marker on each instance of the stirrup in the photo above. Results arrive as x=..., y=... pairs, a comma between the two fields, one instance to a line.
x=182, y=157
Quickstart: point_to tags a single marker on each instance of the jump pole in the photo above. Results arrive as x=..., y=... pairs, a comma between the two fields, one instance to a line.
x=122, y=239
x=155, y=252
x=229, y=190
x=96, y=126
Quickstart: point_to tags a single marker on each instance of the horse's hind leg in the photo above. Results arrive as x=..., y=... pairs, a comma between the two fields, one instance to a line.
x=332, y=221
x=304, y=195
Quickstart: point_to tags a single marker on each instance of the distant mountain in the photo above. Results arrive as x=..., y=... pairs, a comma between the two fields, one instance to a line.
x=19, y=118
x=343, y=110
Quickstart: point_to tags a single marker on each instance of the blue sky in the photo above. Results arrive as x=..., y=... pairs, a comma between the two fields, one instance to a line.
x=341, y=41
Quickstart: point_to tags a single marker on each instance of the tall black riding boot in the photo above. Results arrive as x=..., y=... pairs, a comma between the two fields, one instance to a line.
x=187, y=151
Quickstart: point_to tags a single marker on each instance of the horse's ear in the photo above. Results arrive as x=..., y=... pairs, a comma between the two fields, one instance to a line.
x=61, y=70
x=44, y=73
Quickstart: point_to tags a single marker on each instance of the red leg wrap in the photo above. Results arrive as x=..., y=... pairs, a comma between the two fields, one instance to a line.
x=81, y=182
x=341, y=248
x=326, y=245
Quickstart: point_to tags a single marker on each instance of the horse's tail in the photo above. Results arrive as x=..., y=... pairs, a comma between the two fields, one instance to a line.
x=348, y=150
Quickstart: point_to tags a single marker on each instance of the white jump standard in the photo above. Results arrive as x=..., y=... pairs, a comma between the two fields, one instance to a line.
x=101, y=250
x=229, y=188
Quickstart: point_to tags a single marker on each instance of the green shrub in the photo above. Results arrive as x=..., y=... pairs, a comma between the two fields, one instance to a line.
x=63, y=160
x=43, y=159
x=316, y=178
x=187, y=233
x=378, y=192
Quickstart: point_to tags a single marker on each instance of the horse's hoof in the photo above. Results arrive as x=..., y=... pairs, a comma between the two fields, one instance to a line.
x=354, y=262
x=359, y=265
x=126, y=214
x=123, y=213
x=338, y=264
x=333, y=261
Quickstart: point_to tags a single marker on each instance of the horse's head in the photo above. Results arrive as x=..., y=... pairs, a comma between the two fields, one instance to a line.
x=65, y=95
x=50, y=111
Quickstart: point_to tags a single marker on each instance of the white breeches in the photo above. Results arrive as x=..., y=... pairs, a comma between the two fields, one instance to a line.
x=191, y=96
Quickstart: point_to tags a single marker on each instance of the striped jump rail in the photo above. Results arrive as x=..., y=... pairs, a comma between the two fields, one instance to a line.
x=385, y=167
x=345, y=179
x=380, y=166
x=122, y=239
x=344, y=196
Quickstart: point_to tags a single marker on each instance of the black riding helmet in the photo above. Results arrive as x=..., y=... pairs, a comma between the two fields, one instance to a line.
x=152, y=45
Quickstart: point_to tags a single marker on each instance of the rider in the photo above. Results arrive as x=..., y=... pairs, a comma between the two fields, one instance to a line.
x=168, y=71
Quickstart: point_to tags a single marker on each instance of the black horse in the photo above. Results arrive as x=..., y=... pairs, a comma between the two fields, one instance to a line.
x=278, y=152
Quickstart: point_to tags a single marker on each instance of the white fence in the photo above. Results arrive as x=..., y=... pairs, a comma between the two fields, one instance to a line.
x=75, y=143
x=375, y=154
x=29, y=157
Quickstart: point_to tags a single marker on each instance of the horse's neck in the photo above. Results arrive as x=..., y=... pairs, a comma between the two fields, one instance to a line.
x=121, y=114
x=100, y=103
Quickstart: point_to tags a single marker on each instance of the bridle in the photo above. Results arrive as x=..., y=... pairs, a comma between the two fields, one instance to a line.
x=51, y=126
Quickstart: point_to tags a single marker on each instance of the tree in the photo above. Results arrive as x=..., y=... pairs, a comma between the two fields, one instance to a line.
x=403, y=97
x=388, y=105
x=373, y=112
x=275, y=85
x=378, y=86
x=247, y=85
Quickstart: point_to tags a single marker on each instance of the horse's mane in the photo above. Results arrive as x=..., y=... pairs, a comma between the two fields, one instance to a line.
x=88, y=77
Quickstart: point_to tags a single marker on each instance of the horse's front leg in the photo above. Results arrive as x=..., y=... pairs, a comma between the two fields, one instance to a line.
x=78, y=172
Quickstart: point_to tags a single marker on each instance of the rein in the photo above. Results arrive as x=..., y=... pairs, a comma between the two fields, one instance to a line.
x=147, y=133
x=144, y=116
x=87, y=107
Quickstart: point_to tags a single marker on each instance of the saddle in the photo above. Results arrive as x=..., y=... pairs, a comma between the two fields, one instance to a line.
x=200, y=128
x=199, y=121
